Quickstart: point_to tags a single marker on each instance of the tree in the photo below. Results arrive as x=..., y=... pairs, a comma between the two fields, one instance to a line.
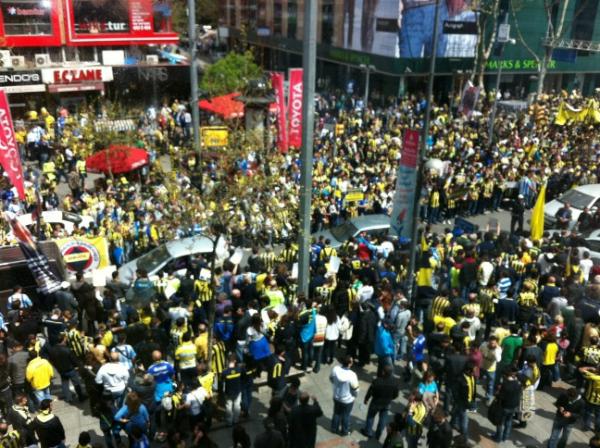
x=488, y=26
x=207, y=13
x=553, y=34
x=230, y=74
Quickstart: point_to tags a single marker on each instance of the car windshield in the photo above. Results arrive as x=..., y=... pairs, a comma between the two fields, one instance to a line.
x=154, y=258
x=577, y=199
x=345, y=231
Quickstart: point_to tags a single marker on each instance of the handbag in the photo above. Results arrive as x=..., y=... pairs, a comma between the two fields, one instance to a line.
x=495, y=413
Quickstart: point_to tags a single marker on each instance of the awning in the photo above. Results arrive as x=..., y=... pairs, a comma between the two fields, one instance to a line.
x=227, y=106
x=117, y=159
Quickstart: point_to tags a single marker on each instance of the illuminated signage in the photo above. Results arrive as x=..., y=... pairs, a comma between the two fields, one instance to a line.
x=77, y=75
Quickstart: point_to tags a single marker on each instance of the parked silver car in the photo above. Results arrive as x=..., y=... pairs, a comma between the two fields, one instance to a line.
x=371, y=224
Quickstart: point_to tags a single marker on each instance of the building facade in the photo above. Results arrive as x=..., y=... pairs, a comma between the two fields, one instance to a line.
x=393, y=38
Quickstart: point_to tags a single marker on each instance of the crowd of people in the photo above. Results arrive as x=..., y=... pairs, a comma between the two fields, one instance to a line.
x=491, y=309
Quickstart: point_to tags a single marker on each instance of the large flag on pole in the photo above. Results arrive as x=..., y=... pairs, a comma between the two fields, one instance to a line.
x=537, y=215
x=282, y=136
x=37, y=262
x=10, y=159
x=296, y=89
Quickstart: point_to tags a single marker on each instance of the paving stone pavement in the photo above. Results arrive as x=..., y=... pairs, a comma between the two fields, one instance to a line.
x=78, y=418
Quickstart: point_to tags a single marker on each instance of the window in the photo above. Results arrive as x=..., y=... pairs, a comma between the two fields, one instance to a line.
x=26, y=17
x=344, y=232
x=577, y=199
x=277, y=17
x=327, y=22
x=292, y=18
x=584, y=20
x=154, y=258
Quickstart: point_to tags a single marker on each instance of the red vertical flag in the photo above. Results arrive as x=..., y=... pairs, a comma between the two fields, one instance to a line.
x=10, y=159
x=282, y=135
x=295, y=107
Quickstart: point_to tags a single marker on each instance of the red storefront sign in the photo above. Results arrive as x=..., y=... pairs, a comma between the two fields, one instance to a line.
x=10, y=159
x=295, y=107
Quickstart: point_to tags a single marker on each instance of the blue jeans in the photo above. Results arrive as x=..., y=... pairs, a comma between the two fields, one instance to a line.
x=341, y=414
x=317, y=357
x=555, y=437
x=591, y=410
x=402, y=341
x=307, y=354
x=381, y=423
x=460, y=419
x=505, y=427
x=65, y=383
x=489, y=389
x=42, y=394
x=416, y=31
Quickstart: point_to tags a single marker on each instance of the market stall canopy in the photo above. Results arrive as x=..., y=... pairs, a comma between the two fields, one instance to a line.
x=227, y=106
x=117, y=159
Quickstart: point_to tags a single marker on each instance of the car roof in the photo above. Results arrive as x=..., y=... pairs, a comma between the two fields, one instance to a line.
x=191, y=245
x=591, y=189
x=368, y=221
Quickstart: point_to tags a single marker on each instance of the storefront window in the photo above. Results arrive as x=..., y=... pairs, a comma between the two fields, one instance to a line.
x=327, y=22
x=27, y=17
x=277, y=17
x=292, y=18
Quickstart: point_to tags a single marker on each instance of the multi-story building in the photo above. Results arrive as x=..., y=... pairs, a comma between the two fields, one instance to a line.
x=65, y=51
x=392, y=38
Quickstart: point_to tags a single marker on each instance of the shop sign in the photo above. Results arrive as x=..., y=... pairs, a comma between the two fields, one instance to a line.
x=77, y=75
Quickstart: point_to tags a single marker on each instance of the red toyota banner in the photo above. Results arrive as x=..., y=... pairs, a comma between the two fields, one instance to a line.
x=282, y=137
x=10, y=159
x=295, y=107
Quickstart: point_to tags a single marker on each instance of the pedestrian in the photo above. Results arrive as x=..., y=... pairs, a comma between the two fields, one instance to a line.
x=382, y=391
x=439, y=434
x=303, y=422
x=416, y=413
x=232, y=380
x=270, y=438
x=591, y=396
x=509, y=397
x=345, y=390
x=491, y=356
x=39, y=374
x=65, y=362
x=48, y=427
x=463, y=396
x=113, y=377
x=569, y=408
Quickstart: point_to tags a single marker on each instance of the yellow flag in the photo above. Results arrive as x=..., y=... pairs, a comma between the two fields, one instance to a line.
x=561, y=116
x=424, y=245
x=537, y=215
x=568, y=268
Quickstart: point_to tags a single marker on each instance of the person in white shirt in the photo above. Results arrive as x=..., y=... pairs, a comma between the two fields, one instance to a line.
x=474, y=324
x=18, y=294
x=194, y=401
x=345, y=390
x=332, y=334
x=491, y=354
x=586, y=264
x=319, y=339
x=486, y=269
x=113, y=376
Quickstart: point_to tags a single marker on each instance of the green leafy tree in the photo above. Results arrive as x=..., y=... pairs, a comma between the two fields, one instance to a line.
x=230, y=74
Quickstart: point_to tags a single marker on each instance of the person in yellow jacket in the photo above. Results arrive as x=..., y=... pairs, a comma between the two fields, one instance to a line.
x=39, y=374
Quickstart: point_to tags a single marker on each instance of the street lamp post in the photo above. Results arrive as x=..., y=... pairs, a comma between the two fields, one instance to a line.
x=412, y=290
x=367, y=69
x=309, y=62
x=191, y=6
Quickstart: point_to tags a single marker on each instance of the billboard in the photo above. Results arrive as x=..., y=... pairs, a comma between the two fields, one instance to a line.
x=29, y=23
x=404, y=28
x=110, y=22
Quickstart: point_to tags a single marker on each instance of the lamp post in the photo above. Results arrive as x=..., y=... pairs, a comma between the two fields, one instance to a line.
x=191, y=6
x=309, y=62
x=367, y=68
x=412, y=290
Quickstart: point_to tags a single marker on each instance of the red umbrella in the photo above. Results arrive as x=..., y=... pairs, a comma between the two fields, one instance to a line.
x=227, y=106
x=117, y=159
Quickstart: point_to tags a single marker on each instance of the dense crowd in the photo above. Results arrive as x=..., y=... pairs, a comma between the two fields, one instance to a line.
x=493, y=309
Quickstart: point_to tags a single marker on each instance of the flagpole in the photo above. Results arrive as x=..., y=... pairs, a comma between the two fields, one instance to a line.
x=412, y=290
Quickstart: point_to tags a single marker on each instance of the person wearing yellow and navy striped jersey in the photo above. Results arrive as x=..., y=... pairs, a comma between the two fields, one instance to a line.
x=185, y=355
x=464, y=396
x=591, y=395
x=232, y=381
x=415, y=417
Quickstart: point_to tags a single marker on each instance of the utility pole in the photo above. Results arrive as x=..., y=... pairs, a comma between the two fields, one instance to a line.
x=414, y=244
x=367, y=69
x=191, y=6
x=309, y=62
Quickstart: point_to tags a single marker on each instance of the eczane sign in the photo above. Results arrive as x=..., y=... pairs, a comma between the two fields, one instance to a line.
x=77, y=75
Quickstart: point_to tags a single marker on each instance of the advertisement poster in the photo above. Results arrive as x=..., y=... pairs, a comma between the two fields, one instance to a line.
x=22, y=17
x=469, y=99
x=97, y=22
x=10, y=159
x=295, y=107
x=84, y=254
x=401, y=219
x=214, y=136
x=404, y=28
x=282, y=138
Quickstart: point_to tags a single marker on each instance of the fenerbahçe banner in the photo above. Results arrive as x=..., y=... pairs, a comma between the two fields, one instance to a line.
x=84, y=254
